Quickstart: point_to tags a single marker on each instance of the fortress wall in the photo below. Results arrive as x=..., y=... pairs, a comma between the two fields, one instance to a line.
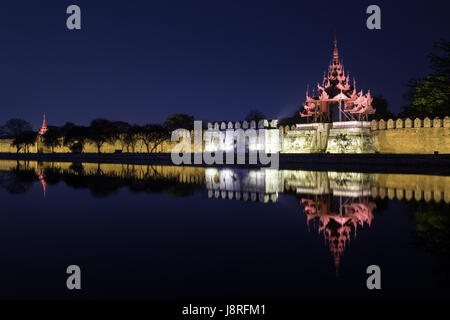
x=350, y=137
x=406, y=136
x=5, y=146
x=402, y=136
x=89, y=147
x=304, y=138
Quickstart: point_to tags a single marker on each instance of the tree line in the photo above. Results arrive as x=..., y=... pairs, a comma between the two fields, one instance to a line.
x=99, y=132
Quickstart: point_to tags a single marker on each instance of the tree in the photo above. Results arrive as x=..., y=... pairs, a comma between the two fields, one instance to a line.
x=66, y=128
x=52, y=138
x=131, y=137
x=75, y=138
x=430, y=96
x=255, y=115
x=14, y=127
x=101, y=131
x=153, y=134
x=382, y=111
x=179, y=121
x=121, y=130
x=294, y=119
x=24, y=140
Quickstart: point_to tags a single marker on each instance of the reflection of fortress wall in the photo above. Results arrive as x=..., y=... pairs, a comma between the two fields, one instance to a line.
x=349, y=184
x=261, y=184
x=265, y=184
x=180, y=173
x=221, y=136
x=309, y=182
x=352, y=184
x=410, y=186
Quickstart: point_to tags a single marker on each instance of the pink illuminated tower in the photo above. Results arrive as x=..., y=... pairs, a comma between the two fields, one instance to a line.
x=336, y=90
x=44, y=128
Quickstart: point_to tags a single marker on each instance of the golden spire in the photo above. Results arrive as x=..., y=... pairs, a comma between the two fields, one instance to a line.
x=335, y=41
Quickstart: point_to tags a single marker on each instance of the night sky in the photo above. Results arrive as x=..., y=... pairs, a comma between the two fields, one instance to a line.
x=139, y=61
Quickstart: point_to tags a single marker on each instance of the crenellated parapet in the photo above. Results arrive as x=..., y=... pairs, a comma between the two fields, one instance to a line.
x=409, y=123
x=419, y=136
x=259, y=135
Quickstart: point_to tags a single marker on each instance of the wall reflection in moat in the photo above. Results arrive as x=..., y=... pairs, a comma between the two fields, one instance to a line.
x=335, y=204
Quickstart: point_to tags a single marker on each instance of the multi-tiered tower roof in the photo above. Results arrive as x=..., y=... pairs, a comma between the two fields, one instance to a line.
x=337, y=90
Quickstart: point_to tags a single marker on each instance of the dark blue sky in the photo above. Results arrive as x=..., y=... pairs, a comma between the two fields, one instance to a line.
x=139, y=61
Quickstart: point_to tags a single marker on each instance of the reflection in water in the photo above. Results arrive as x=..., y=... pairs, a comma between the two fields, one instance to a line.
x=41, y=178
x=338, y=221
x=433, y=231
x=262, y=184
x=336, y=204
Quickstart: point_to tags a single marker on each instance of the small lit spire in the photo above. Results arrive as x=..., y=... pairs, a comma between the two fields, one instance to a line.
x=44, y=128
x=335, y=52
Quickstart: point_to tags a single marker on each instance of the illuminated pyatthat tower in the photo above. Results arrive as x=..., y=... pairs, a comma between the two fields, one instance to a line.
x=43, y=128
x=336, y=90
x=337, y=224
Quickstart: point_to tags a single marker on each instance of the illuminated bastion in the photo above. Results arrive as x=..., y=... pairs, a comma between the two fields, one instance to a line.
x=338, y=137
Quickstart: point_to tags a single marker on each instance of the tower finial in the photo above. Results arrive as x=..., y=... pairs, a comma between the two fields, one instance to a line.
x=335, y=51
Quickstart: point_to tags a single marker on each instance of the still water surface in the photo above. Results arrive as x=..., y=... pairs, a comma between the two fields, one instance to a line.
x=165, y=232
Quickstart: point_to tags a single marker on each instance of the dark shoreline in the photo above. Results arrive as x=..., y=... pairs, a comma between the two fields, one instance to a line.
x=438, y=164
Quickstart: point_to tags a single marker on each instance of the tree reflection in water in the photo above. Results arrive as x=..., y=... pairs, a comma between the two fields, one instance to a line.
x=433, y=231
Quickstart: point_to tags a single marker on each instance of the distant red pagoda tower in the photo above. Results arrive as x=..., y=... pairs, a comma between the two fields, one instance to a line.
x=44, y=128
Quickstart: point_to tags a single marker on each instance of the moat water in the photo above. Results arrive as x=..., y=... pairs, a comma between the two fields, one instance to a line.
x=164, y=232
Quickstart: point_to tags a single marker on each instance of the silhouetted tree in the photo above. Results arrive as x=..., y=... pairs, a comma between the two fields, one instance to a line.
x=13, y=127
x=75, y=138
x=121, y=129
x=294, y=119
x=382, y=111
x=179, y=121
x=131, y=137
x=255, y=115
x=66, y=128
x=101, y=131
x=24, y=140
x=153, y=134
x=430, y=96
x=52, y=138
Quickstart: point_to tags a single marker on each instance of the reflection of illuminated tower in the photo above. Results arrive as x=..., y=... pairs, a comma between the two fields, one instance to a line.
x=41, y=177
x=338, y=223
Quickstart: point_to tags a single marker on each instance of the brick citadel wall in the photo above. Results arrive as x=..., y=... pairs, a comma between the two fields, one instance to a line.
x=401, y=136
